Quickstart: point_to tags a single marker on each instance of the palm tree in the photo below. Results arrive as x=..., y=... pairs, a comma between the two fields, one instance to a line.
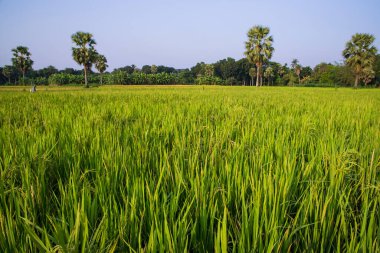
x=101, y=66
x=153, y=69
x=7, y=72
x=252, y=74
x=85, y=53
x=360, y=54
x=268, y=74
x=21, y=60
x=368, y=75
x=259, y=49
x=297, y=69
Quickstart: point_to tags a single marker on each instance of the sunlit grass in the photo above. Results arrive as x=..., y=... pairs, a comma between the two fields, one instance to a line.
x=189, y=169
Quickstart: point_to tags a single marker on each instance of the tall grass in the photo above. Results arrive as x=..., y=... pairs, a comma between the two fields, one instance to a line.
x=190, y=169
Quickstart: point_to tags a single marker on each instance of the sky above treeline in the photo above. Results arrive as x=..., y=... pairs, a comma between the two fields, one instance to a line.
x=180, y=33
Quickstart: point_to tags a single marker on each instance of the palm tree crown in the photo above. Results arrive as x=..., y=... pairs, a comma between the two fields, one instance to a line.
x=101, y=63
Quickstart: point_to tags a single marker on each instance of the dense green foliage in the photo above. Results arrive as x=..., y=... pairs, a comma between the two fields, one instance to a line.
x=189, y=169
x=121, y=77
x=211, y=80
x=62, y=78
x=229, y=71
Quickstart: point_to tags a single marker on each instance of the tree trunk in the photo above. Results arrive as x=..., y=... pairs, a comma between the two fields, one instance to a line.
x=9, y=80
x=23, y=77
x=85, y=77
x=356, y=81
x=261, y=80
x=299, y=79
x=257, y=76
x=101, y=79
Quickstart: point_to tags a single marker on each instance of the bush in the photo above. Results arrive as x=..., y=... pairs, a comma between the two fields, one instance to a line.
x=117, y=77
x=185, y=77
x=59, y=79
x=64, y=78
x=122, y=77
x=231, y=81
x=41, y=81
x=209, y=80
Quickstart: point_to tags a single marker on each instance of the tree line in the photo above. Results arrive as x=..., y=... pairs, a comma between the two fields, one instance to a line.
x=361, y=67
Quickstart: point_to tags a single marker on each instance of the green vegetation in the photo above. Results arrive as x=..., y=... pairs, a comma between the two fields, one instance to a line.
x=297, y=68
x=101, y=66
x=361, y=64
x=360, y=55
x=207, y=75
x=191, y=169
x=84, y=54
x=259, y=49
x=21, y=60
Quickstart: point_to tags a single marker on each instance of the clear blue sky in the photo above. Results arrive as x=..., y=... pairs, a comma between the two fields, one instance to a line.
x=180, y=33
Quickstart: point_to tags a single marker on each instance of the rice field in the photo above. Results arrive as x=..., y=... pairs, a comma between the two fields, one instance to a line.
x=189, y=169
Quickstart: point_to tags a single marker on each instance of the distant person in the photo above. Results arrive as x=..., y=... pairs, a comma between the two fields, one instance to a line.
x=33, y=89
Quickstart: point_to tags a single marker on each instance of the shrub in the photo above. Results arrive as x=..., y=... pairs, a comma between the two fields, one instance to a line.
x=209, y=80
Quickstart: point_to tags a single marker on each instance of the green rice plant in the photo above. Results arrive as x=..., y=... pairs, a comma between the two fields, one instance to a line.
x=189, y=169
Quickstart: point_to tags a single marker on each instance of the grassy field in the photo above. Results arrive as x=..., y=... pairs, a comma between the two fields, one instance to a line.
x=189, y=169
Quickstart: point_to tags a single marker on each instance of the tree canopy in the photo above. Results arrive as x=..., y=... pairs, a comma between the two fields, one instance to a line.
x=360, y=55
x=21, y=60
x=84, y=53
x=101, y=65
x=259, y=49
